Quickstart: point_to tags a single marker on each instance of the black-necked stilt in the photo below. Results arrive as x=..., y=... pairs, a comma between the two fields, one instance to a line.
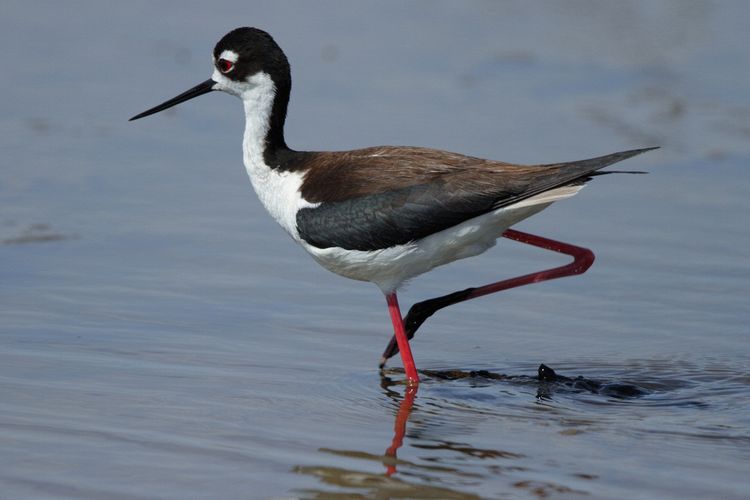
x=382, y=214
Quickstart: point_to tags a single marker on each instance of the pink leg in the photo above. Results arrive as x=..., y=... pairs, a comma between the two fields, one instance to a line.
x=403, y=343
x=582, y=260
x=419, y=312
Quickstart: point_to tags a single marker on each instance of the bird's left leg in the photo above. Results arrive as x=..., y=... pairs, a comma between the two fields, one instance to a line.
x=419, y=312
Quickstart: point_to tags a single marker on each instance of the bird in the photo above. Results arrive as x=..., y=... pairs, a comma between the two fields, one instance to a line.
x=383, y=214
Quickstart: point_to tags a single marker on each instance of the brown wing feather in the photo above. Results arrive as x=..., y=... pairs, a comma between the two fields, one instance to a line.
x=352, y=174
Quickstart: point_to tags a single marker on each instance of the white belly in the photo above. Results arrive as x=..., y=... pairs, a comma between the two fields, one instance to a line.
x=391, y=267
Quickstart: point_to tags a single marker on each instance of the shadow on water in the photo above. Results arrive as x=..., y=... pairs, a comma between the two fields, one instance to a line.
x=575, y=404
x=12, y=233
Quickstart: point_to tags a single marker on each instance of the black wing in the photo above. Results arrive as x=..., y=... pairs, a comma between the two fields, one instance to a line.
x=387, y=219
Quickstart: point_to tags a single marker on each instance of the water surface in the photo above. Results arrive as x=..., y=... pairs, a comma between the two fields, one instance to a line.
x=162, y=338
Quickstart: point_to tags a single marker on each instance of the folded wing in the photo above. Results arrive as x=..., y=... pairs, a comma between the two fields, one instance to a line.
x=440, y=198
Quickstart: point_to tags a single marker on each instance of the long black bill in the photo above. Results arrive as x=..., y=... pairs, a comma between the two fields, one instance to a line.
x=200, y=89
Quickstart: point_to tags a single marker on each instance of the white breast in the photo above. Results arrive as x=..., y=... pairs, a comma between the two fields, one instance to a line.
x=279, y=193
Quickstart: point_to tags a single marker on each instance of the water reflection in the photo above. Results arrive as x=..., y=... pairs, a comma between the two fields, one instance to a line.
x=428, y=425
x=413, y=482
x=374, y=486
x=422, y=478
x=399, y=428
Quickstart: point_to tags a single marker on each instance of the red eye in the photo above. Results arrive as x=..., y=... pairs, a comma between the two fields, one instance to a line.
x=225, y=66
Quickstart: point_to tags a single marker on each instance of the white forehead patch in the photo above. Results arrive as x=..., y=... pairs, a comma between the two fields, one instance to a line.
x=229, y=55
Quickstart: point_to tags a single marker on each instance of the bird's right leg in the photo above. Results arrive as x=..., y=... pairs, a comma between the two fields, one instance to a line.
x=419, y=312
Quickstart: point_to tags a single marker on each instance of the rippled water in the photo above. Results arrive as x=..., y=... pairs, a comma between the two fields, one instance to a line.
x=160, y=337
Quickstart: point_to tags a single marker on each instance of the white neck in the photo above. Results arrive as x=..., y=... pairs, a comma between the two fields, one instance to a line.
x=277, y=190
x=257, y=98
x=257, y=93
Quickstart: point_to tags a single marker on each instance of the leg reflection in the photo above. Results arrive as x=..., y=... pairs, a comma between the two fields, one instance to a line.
x=399, y=428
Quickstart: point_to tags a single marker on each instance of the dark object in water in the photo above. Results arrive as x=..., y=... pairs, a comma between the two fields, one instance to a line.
x=547, y=380
x=614, y=389
x=546, y=373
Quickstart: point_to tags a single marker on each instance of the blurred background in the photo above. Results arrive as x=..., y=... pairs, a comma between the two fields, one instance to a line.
x=161, y=337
